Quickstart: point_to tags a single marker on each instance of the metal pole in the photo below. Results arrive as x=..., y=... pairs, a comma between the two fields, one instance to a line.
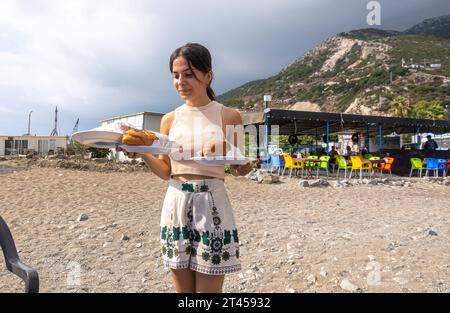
x=328, y=138
x=380, y=139
x=29, y=118
x=368, y=139
x=267, y=132
x=418, y=138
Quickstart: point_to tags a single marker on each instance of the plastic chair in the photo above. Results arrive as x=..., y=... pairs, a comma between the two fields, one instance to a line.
x=359, y=164
x=416, y=164
x=13, y=263
x=442, y=164
x=289, y=163
x=342, y=165
x=275, y=163
x=323, y=165
x=375, y=166
x=431, y=165
x=281, y=158
x=368, y=156
x=448, y=165
x=387, y=165
x=311, y=165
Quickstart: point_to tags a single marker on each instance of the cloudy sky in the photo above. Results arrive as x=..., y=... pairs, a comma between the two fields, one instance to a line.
x=103, y=58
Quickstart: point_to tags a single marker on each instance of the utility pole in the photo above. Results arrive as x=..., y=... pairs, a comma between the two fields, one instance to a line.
x=75, y=128
x=55, y=130
x=29, y=119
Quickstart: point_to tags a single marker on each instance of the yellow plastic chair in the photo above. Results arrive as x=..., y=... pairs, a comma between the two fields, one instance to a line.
x=289, y=163
x=359, y=164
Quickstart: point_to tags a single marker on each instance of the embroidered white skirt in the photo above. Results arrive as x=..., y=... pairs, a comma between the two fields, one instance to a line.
x=198, y=229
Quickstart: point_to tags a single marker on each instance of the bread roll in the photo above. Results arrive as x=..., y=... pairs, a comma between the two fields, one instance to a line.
x=136, y=137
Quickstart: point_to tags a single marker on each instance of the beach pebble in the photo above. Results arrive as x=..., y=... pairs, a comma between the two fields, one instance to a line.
x=323, y=273
x=432, y=233
x=138, y=245
x=291, y=290
x=348, y=286
x=83, y=217
x=125, y=237
x=319, y=183
x=371, y=257
x=311, y=279
x=303, y=183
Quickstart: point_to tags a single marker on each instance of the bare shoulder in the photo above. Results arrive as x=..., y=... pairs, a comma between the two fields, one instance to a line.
x=231, y=116
x=166, y=122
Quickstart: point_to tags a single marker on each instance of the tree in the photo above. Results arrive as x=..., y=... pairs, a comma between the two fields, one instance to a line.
x=401, y=107
x=430, y=109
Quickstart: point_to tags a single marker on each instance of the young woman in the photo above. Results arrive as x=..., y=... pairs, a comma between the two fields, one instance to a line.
x=199, y=238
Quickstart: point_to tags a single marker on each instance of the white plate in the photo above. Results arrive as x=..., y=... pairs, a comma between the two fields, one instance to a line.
x=221, y=160
x=98, y=138
x=154, y=149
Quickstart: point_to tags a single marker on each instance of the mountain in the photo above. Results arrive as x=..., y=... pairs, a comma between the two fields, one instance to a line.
x=437, y=26
x=358, y=72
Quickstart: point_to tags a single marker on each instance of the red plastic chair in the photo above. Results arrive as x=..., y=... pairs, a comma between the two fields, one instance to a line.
x=448, y=165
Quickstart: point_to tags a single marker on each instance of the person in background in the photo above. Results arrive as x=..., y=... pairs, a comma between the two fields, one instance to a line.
x=348, y=151
x=430, y=144
x=333, y=154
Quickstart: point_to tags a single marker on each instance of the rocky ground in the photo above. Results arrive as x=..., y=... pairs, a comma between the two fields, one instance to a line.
x=97, y=230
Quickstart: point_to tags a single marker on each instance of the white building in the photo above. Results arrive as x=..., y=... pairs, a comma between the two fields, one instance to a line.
x=141, y=120
x=14, y=145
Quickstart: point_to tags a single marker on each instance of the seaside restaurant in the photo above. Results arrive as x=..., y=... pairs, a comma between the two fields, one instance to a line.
x=373, y=134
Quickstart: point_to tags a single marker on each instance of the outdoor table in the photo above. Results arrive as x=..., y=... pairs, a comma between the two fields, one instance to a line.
x=309, y=170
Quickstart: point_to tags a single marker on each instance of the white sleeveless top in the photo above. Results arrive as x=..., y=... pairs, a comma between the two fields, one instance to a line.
x=191, y=129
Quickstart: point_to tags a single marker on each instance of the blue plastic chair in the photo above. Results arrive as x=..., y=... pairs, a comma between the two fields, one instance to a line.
x=432, y=165
x=274, y=163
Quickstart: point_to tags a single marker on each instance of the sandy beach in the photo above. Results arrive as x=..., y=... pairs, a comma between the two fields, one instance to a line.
x=363, y=238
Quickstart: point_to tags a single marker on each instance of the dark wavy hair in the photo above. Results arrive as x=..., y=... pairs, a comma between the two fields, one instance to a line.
x=197, y=56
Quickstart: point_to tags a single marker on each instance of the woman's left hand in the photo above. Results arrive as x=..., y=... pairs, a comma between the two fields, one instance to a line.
x=241, y=170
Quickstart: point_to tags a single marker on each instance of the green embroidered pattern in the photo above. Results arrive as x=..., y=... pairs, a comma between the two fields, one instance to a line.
x=187, y=187
x=235, y=236
x=185, y=232
x=214, y=246
x=176, y=233
x=227, y=239
x=205, y=238
x=163, y=232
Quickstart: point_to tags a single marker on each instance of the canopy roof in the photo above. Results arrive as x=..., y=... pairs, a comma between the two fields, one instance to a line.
x=312, y=123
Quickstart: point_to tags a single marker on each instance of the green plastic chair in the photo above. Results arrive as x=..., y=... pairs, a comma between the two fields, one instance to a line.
x=416, y=164
x=368, y=156
x=323, y=165
x=342, y=165
x=311, y=165
x=375, y=166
